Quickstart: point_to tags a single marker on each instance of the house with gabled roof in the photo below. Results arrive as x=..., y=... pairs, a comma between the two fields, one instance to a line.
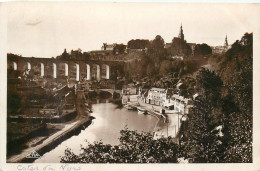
x=157, y=96
x=181, y=104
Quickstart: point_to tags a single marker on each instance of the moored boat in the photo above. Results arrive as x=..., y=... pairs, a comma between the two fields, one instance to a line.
x=130, y=107
x=142, y=111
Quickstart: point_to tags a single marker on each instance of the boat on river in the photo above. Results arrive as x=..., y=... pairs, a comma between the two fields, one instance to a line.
x=142, y=111
x=130, y=107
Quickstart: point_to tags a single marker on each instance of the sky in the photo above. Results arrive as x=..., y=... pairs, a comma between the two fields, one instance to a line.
x=45, y=29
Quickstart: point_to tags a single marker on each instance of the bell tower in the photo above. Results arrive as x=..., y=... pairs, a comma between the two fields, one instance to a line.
x=226, y=44
x=181, y=35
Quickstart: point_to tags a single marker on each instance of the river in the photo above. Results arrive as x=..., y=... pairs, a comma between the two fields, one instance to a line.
x=106, y=127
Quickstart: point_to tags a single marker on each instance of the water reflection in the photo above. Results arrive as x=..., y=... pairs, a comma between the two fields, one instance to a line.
x=106, y=127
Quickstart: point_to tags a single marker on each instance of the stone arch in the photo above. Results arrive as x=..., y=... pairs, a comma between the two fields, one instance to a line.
x=98, y=72
x=54, y=66
x=42, y=69
x=15, y=66
x=29, y=67
x=88, y=72
x=77, y=72
x=66, y=69
x=105, y=71
x=95, y=72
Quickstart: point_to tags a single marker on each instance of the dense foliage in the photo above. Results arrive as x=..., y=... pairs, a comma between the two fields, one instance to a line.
x=201, y=137
x=238, y=109
x=219, y=127
x=134, y=147
x=157, y=61
x=180, y=47
x=138, y=44
x=119, y=49
x=202, y=49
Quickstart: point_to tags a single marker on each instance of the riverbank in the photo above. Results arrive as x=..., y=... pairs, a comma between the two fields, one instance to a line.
x=110, y=120
x=82, y=120
x=168, y=124
x=52, y=141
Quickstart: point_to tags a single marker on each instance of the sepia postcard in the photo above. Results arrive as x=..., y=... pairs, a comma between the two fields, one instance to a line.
x=129, y=86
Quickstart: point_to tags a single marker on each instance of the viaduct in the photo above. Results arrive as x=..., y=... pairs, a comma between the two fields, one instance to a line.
x=61, y=68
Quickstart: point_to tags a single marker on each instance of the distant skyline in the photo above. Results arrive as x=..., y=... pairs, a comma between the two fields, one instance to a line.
x=45, y=29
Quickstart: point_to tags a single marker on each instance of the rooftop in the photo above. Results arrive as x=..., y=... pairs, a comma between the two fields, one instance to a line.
x=181, y=98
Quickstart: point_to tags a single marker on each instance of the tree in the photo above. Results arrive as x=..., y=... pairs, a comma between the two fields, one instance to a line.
x=219, y=127
x=201, y=139
x=134, y=147
x=119, y=48
x=179, y=47
x=156, y=49
x=150, y=70
x=158, y=42
x=165, y=67
x=237, y=72
x=138, y=44
x=202, y=50
x=247, y=40
x=238, y=118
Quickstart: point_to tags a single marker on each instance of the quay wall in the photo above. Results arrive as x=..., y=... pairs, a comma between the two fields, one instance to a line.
x=43, y=148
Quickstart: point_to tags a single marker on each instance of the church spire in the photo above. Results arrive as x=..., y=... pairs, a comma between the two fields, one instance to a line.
x=226, y=42
x=181, y=35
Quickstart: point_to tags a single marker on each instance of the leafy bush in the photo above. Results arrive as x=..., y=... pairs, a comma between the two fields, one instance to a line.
x=134, y=147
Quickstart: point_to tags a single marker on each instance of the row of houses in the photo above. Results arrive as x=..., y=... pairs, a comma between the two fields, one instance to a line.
x=168, y=99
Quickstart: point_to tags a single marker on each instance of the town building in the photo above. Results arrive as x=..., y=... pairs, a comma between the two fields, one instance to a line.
x=221, y=49
x=115, y=48
x=179, y=43
x=157, y=96
x=226, y=46
x=166, y=98
x=181, y=35
x=217, y=49
x=129, y=93
x=132, y=99
x=108, y=46
x=130, y=89
x=180, y=103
